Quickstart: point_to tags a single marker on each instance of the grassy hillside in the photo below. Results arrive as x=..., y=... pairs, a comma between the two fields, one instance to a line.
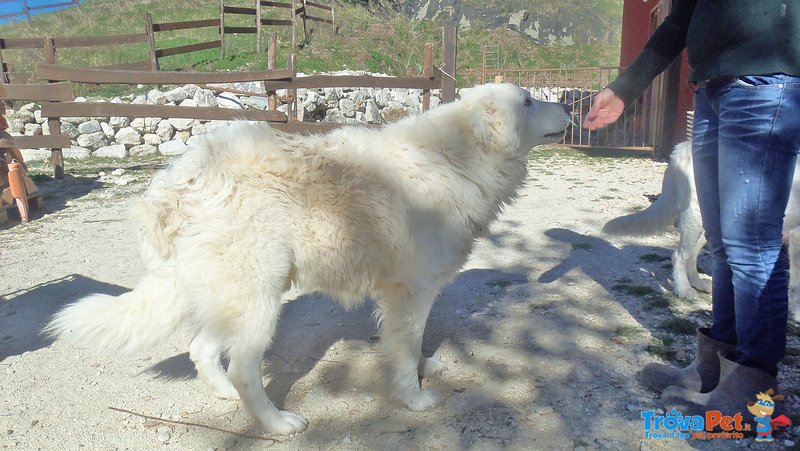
x=390, y=43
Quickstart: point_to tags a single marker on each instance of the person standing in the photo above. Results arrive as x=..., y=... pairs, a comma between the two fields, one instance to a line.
x=745, y=59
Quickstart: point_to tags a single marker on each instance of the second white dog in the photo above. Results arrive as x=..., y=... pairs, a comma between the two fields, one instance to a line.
x=677, y=205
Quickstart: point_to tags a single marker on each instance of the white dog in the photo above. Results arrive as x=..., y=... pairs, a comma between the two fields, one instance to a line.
x=249, y=212
x=678, y=203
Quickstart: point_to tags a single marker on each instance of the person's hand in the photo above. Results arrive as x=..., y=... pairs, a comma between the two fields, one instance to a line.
x=606, y=109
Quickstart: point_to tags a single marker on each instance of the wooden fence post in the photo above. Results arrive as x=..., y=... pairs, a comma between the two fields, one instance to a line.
x=427, y=71
x=272, y=62
x=449, y=54
x=26, y=8
x=50, y=50
x=258, y=26
x=291, y=111
x=3, y=69
x=151, y=37
x=54, y=123
x=333, y=20
x=483, y=65
x=294, y=16
x=221, y=29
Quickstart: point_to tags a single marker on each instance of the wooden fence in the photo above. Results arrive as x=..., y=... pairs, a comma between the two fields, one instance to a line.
x=56, y=96
x=298, y=9
x=26, y=8
x=155, y=53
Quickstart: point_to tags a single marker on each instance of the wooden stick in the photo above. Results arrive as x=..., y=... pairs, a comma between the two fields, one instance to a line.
x=188, y=423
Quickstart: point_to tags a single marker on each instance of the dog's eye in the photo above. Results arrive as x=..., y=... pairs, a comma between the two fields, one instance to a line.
x=528, y=101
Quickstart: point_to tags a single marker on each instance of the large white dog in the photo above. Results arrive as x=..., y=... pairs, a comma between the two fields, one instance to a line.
x=249, y=212
x=677, y=205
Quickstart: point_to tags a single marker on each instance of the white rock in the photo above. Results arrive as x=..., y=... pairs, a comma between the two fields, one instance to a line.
x=347, y=107
x=199, y=129
x=69, y=130
x=204, y=98
x=143, y=150
x=37, y=116
x=74, y=120
x=152, y=139
x=33, y=129
x=372, y=114
x=89, y=127
x=117, y=172
x=113, y=151
x=81, y=99
x=259, y=103
x=145, y=125
x=228, y=100
x=157, y=97
x=183, y=124
x=183, y=135
x=128, y=136
x=92, y=140
x=78, y=153
x=165, y=130
x=190, y=89
x=108, y=130
x=176, y=95
x=141, y=99
x=174, y=147
x=28, y=107
x=118, y=122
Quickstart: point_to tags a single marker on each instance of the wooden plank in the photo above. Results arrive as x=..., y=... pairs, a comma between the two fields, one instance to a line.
x=449, y=54
x=277, y=22
x=320, y=6
x=93, y=41
x=51, y=92
x=101, y=76
x=222, y=29
x=354, y=81
x=275, y=4
x=243, y=30
x=238, y=10
x=308, y=128
x=137, y=66
x=160, y=53
x=319, y=19
x=42, y=141
x=185, y=25
x=427, y=71
x=21, y=77
x=93, y=109
x=22, y=43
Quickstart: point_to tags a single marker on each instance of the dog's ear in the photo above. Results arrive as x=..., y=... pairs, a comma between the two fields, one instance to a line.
x=493, y=124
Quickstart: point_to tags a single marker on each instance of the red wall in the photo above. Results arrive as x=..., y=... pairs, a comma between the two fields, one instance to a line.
x=635, y=32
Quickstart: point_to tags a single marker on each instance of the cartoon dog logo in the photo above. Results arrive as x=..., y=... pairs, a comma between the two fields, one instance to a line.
x=762, y=410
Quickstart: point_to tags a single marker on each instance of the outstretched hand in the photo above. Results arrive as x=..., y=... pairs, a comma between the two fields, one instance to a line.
x=606, y=109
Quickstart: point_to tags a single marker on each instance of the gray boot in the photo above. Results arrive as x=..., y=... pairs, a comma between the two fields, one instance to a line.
x=738, y=384
x=701, y=375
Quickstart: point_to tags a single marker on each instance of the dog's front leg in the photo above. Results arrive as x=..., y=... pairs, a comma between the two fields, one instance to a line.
x=403, y=315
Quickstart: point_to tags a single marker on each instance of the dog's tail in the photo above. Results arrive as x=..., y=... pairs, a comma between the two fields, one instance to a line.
x=677, y=189
x=122, y=324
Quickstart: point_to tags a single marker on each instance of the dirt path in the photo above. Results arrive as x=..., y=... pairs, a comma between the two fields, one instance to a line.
x=542, y=334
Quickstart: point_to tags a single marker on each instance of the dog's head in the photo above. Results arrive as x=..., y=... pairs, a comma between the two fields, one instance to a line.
x=505, y=117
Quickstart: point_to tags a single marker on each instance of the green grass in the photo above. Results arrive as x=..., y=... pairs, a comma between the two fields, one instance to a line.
x=679, y=326
x=390, y=43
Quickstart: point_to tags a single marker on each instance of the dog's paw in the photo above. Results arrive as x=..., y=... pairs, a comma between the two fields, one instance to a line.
x=431, y=366
x=422, y=400
x=286, y=423
x=703, y=285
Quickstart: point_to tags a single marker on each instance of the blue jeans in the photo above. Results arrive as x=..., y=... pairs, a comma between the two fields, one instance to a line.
x=745, y=143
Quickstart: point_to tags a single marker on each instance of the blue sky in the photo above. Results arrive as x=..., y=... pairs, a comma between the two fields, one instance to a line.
x=18, y=6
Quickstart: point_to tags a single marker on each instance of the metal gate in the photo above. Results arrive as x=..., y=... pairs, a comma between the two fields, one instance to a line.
x=636, y=129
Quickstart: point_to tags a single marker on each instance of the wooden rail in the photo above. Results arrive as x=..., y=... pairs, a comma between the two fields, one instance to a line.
x=152, y=28
x=104, y=76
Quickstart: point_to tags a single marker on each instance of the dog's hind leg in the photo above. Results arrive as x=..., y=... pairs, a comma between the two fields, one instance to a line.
x=253, y=334
x=684, y=260
x=403, y=315
x=205, y=352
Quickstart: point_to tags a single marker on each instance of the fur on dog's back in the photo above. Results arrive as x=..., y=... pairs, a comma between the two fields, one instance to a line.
x=677, y=192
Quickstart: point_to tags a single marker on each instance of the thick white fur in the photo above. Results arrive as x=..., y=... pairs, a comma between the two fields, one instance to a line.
x=249, y=212
x=678, y=204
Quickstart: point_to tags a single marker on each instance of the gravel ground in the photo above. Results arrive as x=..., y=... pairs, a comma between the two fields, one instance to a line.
x=543, y=333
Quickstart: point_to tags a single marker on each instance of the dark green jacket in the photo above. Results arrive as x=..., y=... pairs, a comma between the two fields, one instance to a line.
x=723, y=38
